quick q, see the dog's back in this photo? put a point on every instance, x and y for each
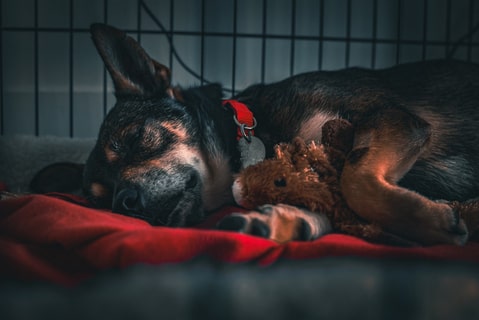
(445, 94)
(414, 140)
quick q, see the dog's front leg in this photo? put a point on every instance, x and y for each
(385, 148)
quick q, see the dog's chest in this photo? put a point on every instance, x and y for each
(311, 128)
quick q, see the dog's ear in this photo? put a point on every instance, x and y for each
(213, 91)
(132, 70)
(62, 177)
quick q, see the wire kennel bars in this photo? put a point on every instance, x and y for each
(52, 81)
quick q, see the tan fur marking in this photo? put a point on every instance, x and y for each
(98, 190)
(178, 95)
(371, 183)
(181, 154)
(175, 93)
(283, 226)
(311, 129)
(177, 129)
(152, 136)
(111, 155)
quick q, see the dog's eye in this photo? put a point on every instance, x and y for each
(281, 182)
(114, 146)
(112, 151)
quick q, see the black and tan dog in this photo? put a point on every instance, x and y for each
(168, 155)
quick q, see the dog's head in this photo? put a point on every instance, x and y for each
(149, 160)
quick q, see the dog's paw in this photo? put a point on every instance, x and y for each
(456, 227)
(447, 227)
(281, 223)
(240, 223)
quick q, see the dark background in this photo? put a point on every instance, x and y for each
(53, 82)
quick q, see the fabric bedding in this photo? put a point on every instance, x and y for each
(61, 239)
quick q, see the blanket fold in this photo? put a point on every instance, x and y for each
(61, 239)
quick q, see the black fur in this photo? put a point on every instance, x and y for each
(438, 91)
(431, 108)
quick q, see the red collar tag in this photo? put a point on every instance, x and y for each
(243, 117)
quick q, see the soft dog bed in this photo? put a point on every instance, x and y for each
(60, 239)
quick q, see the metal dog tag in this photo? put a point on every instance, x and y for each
(251, 152)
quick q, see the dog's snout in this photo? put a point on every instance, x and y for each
(128, 201)
(161, 198)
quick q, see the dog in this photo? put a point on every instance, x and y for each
(168, 155)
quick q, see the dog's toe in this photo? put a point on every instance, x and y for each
(243, 224)
(232, 223)
(457, 229)
(459, 233)
(305, 233)
(446, 227)
(259, 228)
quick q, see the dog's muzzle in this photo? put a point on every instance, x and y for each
(162, 199)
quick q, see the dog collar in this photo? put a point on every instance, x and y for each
(243, 118)
(251, 148)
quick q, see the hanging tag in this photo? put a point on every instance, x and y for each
(251, 152)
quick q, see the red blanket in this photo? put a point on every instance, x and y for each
(60, 239)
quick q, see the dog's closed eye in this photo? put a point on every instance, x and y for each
(114, 146)
(111, 151)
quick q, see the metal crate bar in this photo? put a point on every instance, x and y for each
(372, 44)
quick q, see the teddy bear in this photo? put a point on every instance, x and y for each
(307, 175)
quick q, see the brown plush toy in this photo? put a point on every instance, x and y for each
(307, 175)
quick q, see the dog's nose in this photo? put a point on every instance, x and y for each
(131, 201)
(128, 201)
(162, 199)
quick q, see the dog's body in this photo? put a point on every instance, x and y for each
(168, 155)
